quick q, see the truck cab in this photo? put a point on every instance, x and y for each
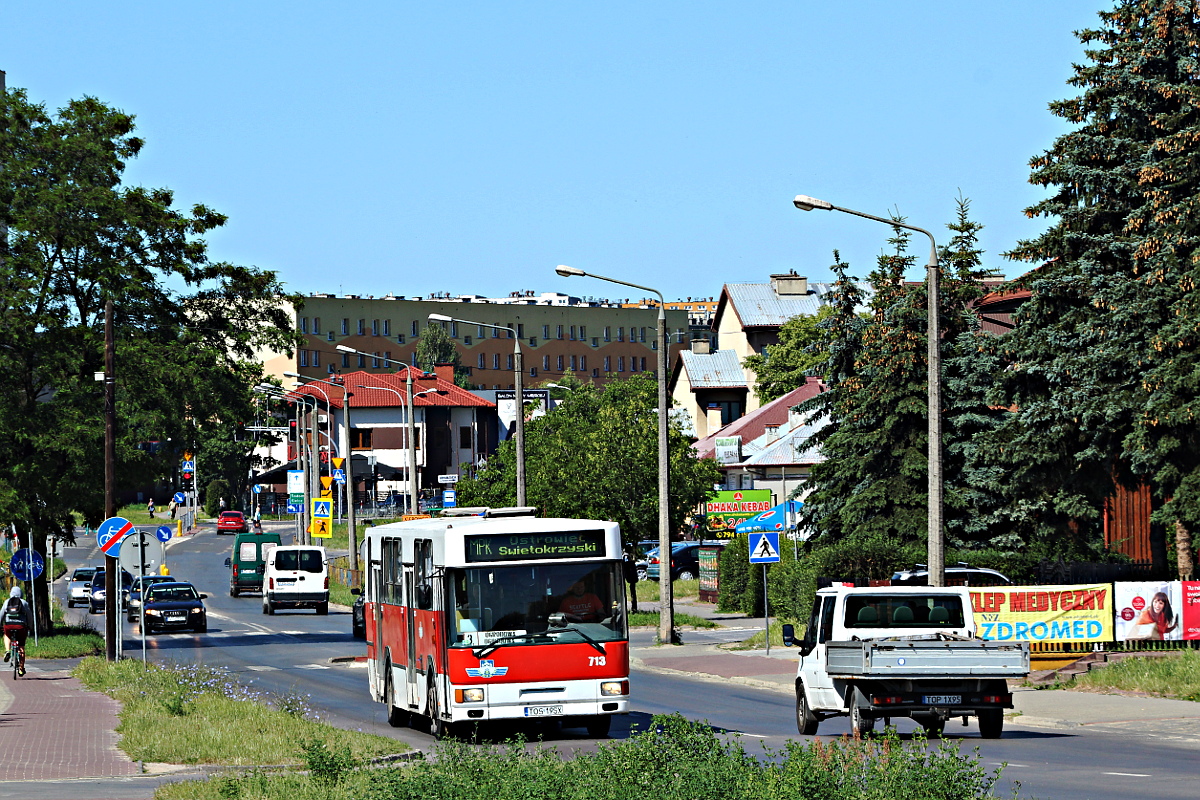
(883, 652)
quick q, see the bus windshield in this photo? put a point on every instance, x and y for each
(546, 603)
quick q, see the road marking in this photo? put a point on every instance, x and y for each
(1128, 774)
(262, 669)
(312, 666)
(1005, 764)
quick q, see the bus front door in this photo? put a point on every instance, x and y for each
(410, 615)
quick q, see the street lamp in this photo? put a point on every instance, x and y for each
(666, 622)
(518, 369)
(413, 484)
(936, 536)
(303, 457)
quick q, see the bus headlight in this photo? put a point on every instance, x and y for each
(468, 695)
(614, 688)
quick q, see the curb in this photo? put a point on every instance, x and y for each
(704, 676)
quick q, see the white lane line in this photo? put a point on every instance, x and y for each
(1004, 764)
(1128, 774)
(262, 669)
(312, 666)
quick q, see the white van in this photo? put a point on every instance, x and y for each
(296, 576)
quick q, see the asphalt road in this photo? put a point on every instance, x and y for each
(290, 654)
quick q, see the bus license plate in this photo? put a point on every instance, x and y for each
(943, 699)
(543, 711)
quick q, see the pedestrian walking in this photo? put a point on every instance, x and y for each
(150, 507)
(629, 567)
(222, 504)
(171, 508)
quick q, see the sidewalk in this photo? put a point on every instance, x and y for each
(702, 657)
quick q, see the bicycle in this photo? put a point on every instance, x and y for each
(14, 656)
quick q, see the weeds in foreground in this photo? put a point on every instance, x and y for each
(1175, 676)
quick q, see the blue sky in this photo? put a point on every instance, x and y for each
(469, 147)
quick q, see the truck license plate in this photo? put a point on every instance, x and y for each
(543, 711)
(942, 699)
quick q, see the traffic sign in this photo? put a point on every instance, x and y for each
(257, 489)
(164, 533)
(322, 508)
(27, 564)
(180, 497)
(295, 508)
(449, 498)
(764, 547)
(110, 533)
(188, 466)
(339, 475)
(337, 462)
(320, 528)
(141, 553)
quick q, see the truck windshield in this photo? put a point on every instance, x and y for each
(549, 603)
(904, 611)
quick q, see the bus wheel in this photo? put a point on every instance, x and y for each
(438, 728)
(598, 726)
(397, 717)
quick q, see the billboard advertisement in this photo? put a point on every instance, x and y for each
(1044, 613)
(724, 510)
(1149, 611)
(1190, 612)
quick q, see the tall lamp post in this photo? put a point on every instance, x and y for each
(413, 484)
(343, 449)
(303, 454)
(666, 621)
(518, 371)
(936, 535)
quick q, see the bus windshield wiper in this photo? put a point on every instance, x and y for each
(503, 641)
(587, 638)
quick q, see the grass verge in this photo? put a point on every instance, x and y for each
(680, 590)
(1175, 676)
(67, 641)
(675, 759)
(759, 640)
(200, 715)
(646, 619)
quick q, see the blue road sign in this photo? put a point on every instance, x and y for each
(180, 497)
(764, 547)
(339, 476)
(111, 532)
(189, 466)
(27, 564)
(295, 508)
(164, 533)
(256, 489)
(449, 498)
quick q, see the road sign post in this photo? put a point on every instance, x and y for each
(322, 517)
(764, 549)
(26, 565)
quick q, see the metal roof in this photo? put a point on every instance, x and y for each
(790, 449)
(719, 370)
(757, 304)
(754, 424)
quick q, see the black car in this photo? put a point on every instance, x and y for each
(961, 575)
(685, 561)
(96, 592)
(358, 615)
(133, 601)
(174, 606)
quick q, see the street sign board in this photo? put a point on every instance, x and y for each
(447, 479)
(180, 497)
(141, 553)
(322, 508)
(764, 547)
(449, 498)
(110, 533)
(295, 508)
(339, 475)
(188, 466)
(295, 487)
(257, 489)
(164, 533)
(27, 564)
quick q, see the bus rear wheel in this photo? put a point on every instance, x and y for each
(397, 717)
(438, 728)
(599, 725)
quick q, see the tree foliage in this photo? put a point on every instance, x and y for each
(436, 347)
(784, 366)
(1104, 362)
(74, 238)
(595, 456)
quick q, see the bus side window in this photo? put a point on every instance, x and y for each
(423, 558)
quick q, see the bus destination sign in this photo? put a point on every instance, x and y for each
(529, 546)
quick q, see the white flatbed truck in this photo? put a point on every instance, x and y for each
(891, 651)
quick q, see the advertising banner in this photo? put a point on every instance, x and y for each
(1045, 613)
(1149, 610)
(1191, 610)
(506, 408)
(728, 449)
(724, 510)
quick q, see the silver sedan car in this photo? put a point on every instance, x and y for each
(79, 588)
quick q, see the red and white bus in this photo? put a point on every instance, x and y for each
(497, 615)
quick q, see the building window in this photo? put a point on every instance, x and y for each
(387, 357)
(495, 332)
(416, 328)
(608, 363)
(607, 334)
(632, 361)
(621, 333)
(495, 361)
(545, 331)
(583, 363)
(560, 331)
(317, 326)
(360, 438)
(572, 333)
(346, 360)
(331, 368)
(520, 330)
(375, 360)
(303, 354)
(533, 372)
(642, 338)
(362, 327)
(304, 324)
(387, 327)
(560, 363)
(467, 340)
(643, 364)
(345, 327)
(509, 361)
(464, 437)
(453, 330)
(316, 358)
(546, 363)
(621, 364)
(399, 338)
(374, 327)
(595, 372)
(482, 332)
(582, 333)
(483, 361)
(362, 362)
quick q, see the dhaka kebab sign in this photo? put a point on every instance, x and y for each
(725, 510)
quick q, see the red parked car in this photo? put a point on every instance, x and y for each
(232, 522)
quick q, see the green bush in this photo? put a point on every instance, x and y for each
(216, 489)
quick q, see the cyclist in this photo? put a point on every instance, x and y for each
(16, 615)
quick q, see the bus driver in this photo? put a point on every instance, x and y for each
(580, 605)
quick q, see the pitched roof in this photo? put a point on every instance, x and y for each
(792, 448)
(393, 393)
(719, 370)
(754, 424)
(757, 304)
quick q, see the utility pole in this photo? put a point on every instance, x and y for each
(111, 582)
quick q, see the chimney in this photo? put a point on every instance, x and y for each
(445, 372)
(789, 284)
(701, 347)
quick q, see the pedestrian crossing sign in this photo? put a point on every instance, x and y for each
(322, 508)
(764, 547)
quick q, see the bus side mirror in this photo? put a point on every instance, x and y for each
(789, 636)
(557, 620)
(356, 590)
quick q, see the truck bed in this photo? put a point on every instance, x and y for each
(927, 658)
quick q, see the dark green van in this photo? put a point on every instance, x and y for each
(248, 561)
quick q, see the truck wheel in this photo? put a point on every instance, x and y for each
(860, 724)
(598, 726)
(322, 609)
(991, 723)
(933, 727)
(806, 720)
